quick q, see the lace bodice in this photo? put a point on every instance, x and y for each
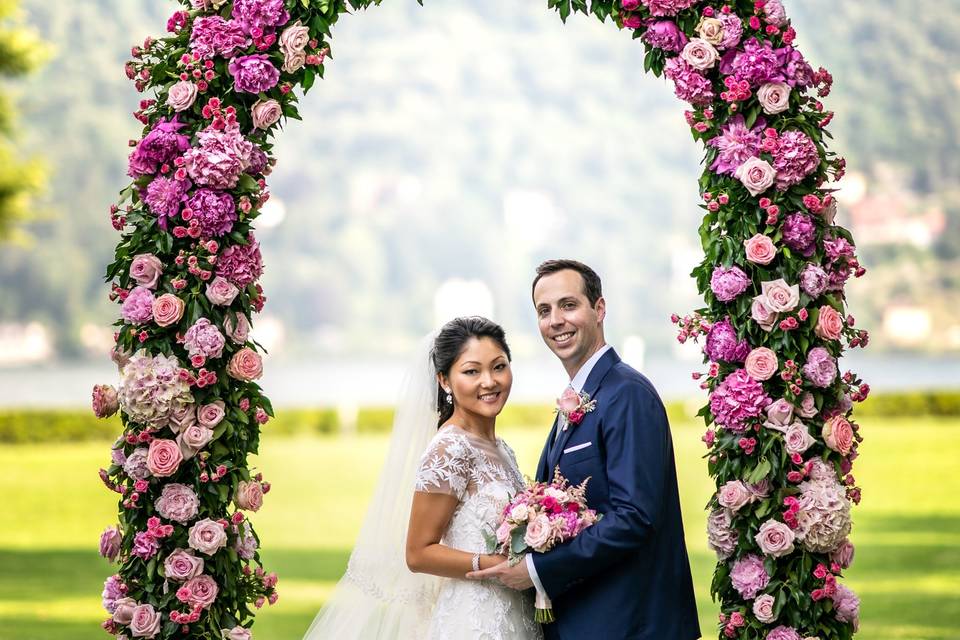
(483, 476)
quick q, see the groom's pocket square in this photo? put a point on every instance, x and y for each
(577, 447)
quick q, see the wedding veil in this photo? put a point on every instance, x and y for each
(379, 598)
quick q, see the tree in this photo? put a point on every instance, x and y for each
(21, 51)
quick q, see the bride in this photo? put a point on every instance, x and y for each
(439, 499)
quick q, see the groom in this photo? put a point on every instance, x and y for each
(628, 575)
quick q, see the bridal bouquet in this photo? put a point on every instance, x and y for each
(540, 517)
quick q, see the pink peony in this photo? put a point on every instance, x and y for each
(749, 577)
(775, 538)
(212, 35)
(145, 545)
(783, 633)
(761, 363)
(260, 14)
(721, 536)
(253, 74)
(135, 465)
(241, 264)
(829, 323)
(821, 367)
(104, 400)
(667, 7)
(722, 344)
(146, 269)
(220, 158)
(249, 495)
(204, 339)
(163, 457)
(182, 565)
(214, 211)
(813, 280)
(847, 606)
(167, 310)
(796, 157)
(664, 34)
(728, 284)
(138, 307)
(177, 502)
(164, 196)
(245, 365)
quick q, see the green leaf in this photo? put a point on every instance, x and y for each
(517, 544)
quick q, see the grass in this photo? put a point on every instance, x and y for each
(907, 530)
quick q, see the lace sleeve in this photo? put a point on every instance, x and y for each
(445, 466)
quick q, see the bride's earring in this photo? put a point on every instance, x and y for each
(449, 396)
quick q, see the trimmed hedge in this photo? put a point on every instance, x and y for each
(18, 426)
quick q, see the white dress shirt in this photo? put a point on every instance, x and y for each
(576, 383)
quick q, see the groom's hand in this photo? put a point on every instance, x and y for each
(515, 577)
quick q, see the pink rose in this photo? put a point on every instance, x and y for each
(167, 310)
(843, 555)
(711, 30)
(503, 532)
(110, 541)
(177, 502)
(779, 414)
(808, 406)
(221, 291)
(104, 401)
(249, 495)
(763, 314)
(569, 402)
(774, 97)
(145, 622)
(181, 95)
(146, 269)
(182, 565)
(781, 297)
(265, 113)
(294, 39)
(203, 591)
(123, 614)
(756, 175)
(760, 249)
(207, 536)
(733, 495)
(538, 533)
(797, 438)
(700, 54)
(763, 608)
(775, 538)
(237, 332)
(210, 415)
(829, 323)
(182, 416)
(294, 61)
(245, 365)
(163, 457)
(237, 633)
(761, 363)
(838, 434)
(192, 439)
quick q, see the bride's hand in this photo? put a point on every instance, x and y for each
(490, 560)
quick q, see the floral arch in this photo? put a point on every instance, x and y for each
(780, 436)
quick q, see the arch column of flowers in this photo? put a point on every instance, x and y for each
(780, 433)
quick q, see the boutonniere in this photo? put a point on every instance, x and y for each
(573, 406)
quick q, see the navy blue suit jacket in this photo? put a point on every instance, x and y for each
(628, 575)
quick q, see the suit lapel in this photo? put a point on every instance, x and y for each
(543, 466)
(599, 372)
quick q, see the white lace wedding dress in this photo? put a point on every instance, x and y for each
(483, 476)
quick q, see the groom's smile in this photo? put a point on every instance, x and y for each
(570, 325)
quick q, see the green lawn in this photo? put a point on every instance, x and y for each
(907, 530)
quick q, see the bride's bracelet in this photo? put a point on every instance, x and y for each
(476, 562)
